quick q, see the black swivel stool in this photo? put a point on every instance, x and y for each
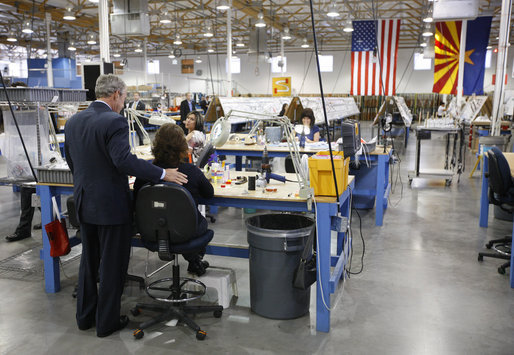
(501, 193)
(166, 218)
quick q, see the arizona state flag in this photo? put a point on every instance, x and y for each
(447, 47)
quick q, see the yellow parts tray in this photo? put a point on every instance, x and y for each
(320, 173)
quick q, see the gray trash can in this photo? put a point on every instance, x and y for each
(276, 244)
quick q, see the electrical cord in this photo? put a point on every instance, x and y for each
(350, 272)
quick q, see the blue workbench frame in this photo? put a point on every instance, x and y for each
(484, 210)
(380, 192)
(328, 279)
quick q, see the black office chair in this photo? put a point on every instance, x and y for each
(166, 218)
(501, 193)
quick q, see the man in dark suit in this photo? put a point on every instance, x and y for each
(138, 105)
(98, 154)
(186, 106)
(204, 104)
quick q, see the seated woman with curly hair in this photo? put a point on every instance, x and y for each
(170, 149)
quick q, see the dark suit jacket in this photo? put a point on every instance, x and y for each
(204, 105)
(184, 109)
(140, 105)
(98, 154)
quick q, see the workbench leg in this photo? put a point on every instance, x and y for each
(484, 198)
(407, 129)
(379, 204)
(323, 277)
(239, 163)
(512, 264)
(51, 265)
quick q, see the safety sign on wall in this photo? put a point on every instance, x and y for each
(281, 86)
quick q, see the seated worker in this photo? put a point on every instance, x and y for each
(308, 121)
(170, 149)
(195, 136)
(441, 110)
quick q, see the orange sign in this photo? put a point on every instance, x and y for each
(188, 66)
(281, 86)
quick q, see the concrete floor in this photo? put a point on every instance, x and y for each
(422, 290)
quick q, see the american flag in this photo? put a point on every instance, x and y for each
(374, 53)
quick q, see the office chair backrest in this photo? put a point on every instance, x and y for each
(205, 154)
(166, 212)
(500, 179)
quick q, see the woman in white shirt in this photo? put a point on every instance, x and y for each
(195, 137)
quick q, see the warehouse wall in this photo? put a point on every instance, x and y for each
(304, 76)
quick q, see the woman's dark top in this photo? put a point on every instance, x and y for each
(197, 185)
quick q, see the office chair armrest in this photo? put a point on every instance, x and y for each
(164, 250)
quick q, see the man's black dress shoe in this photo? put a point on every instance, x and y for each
(37, 226)
(15, 237)
(124, 320)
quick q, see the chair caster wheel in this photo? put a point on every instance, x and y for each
(200, 335)
(501, 271)
(138, 333)
(213, 220)
(480, 258)
(489, 245)
(217, 314)
(135, 311)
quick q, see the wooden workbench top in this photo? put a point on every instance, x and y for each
(510, 160)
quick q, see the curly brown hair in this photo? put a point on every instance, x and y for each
(169, 146)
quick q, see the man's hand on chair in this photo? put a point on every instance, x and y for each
(173, 175)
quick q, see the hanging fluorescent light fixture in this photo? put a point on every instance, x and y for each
(429, 16)
(88, 60)
(348, 26)
(198, 60)
(332, 11)
(94, 1)
(208, 31)
(305, 44)
(223, 5)
(171, 56)
(427, 32)
(71, 46)
(11, 37)
(260, 22)
(286, 34)
(165, 18)
(68, 15)
(91, 39)
(423, 45)
(177, 40)
(210, 49)
(138, 49)
(27, 27)
(116, 55)
(488, 47)
(240, 43)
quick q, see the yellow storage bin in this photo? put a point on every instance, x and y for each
(320, 173)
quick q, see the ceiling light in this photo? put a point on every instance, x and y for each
(427, 32)
(286, 34)
(429, 17)
(27, 27)
(177, 40)
(488, 47)
(88, 60)
(260, 22)
(94, 1)
(208, 31)
(348, 26)
(71, 46)
(240, 43)
(210, 49)
(138, 49)
(165, 18)
(423, 45)
(198, 60)
(223, 5)
(332, 11)
(171, 56)
(91, 39)
(116, 55)
(68, 15)
(11, 37)
(305, 44)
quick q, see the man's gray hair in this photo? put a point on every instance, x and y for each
(108, 84)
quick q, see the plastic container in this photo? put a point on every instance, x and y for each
(320, 173)
(276, 244)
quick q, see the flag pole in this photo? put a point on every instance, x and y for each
(462, 59)
(501, 66)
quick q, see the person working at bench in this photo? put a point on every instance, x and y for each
(195, 136)
(170, 149)
(98, 154)
(308, 121)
